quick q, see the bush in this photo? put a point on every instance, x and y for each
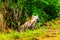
(16, 10)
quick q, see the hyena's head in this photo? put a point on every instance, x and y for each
(35, 18)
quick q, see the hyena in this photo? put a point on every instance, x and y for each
(31, 23)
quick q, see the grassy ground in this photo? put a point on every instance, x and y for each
(43, 33)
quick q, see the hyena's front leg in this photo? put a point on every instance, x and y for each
(33, 26)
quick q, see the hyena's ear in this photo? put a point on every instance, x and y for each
(32, 16)
(36, 15)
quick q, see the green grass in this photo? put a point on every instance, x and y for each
(29, 34)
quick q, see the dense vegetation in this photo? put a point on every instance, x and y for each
(16, 12)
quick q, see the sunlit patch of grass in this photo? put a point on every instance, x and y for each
(55, 26)
(4, 36)
(9, 35)
(58, 32)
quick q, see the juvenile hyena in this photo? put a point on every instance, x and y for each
(31, 23)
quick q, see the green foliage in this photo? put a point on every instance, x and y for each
(27, 35)
(45, 9)
(15, 35)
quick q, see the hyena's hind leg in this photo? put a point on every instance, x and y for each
(22, 28)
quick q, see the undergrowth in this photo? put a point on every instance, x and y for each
(28, 34)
